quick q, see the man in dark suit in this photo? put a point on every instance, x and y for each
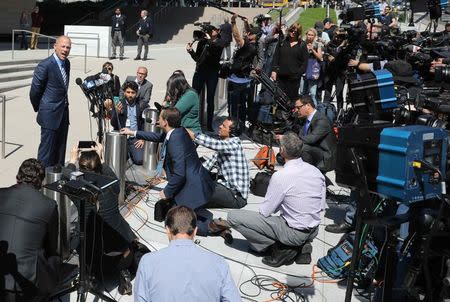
(319, 141)
(29, 234)
(118, 23)
(128, 113)
(48, 95)
(188, 182)
(145, 33)
(145, 87)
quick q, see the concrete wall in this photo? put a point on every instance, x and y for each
(10, 14)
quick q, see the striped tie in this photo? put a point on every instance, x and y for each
(63, 73)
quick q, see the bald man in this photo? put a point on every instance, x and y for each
(48, 95)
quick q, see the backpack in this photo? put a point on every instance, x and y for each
(259, 184)
(328, 110)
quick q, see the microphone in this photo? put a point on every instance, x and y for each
(78, 81)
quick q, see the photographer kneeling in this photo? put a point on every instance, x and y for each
(104, 221)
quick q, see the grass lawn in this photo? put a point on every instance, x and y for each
(276, 15)
(311, 15)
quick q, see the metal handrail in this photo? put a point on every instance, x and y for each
(48, 44)
(86, 38)
(107, 10)
(163, 10)
(3, 97)
(83, 18)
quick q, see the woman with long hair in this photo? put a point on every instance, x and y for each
(180, 95)
(290, 61)
(311, 78)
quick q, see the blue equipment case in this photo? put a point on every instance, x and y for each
(399, 147)
(373, 89)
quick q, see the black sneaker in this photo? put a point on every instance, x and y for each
(125, 287)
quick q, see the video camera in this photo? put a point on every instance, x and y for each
(366, 11)
(205, 28)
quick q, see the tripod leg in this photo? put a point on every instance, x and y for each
(101, 295)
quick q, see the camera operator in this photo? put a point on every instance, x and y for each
(207, 57)
(115, 233)
(239, 82)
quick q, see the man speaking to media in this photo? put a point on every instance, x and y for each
(48, 95)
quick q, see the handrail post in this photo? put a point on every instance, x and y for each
(3, 124)
(85, 56)
(12, 45)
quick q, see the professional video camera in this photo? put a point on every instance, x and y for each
(205, 28)
(368, 10)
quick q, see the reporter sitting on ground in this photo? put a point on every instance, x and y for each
(105, 217)
(128, 113)
(180, 95)
(200, 275)
(298, 192)
(319, 141)
(232, 183)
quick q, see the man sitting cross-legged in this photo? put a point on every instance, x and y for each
(298, 192)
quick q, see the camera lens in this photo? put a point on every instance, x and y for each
(442, 74)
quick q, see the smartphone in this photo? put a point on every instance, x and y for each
(116, 100)
(86, 144)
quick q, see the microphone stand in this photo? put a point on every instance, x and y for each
(82, 285)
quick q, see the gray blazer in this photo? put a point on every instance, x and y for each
(144, 93)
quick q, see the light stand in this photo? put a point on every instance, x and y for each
(82, 285)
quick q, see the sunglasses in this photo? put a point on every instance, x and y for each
(109, 68)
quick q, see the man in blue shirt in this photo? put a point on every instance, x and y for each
(183, 271)
(128, 113)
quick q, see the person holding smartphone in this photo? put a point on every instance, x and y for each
(127, 112)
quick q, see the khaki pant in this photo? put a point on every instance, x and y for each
(34, 38)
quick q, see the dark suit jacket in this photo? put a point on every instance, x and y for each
(118, 120)
(144, 94)
(48, 93)
(29, 224)
(189, 183)
(320, 141)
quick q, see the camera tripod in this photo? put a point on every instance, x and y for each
(82, 284)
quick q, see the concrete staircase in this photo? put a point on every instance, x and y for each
(178, 24)
(16, 74)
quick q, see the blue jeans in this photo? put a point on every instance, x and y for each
(238, 98)
(309, 87)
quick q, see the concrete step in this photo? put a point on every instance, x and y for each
(20, 75)
(12, 85)
(17, 68)
(178, 24)
(31, 61)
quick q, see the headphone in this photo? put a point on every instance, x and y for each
(235, 127)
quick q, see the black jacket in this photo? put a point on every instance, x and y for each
(290, 62)
(118, 24)
(243, 59)
(319, 143)
(29, 230)
(207, 55)
(145, 27)
(118, 120)
(226, 33)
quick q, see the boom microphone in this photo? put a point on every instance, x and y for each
(78, 81)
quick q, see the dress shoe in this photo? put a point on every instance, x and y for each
(125, 287)
(144, 59)
(338, 228)
(121, 58)
(217, 226)
(137, 58)
(281, 255)
(227, 237)
(112, 57)
(304, 256)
